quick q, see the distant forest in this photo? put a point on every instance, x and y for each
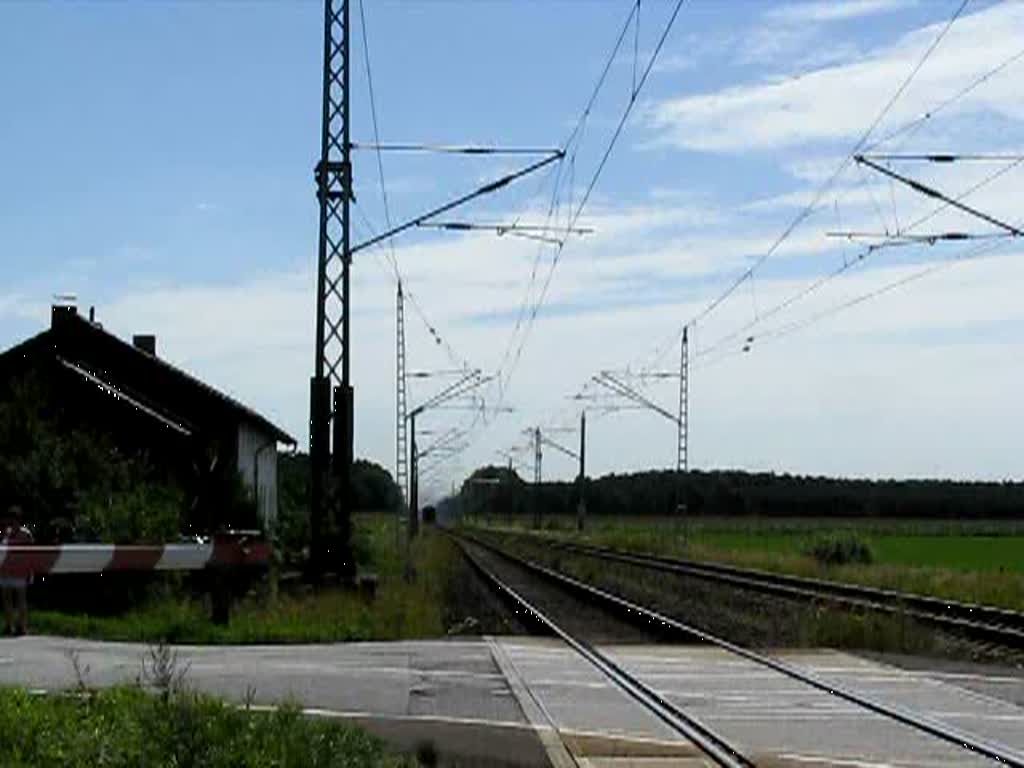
(373, 488)
(733, 492)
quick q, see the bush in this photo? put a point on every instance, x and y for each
(77, 484)
(137, 513)
(840, 549)
(128, 727)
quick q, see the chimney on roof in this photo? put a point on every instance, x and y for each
(146, 342)
(62, 313)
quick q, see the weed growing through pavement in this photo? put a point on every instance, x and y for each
(81, 671)
(250, 698)
(164, 671)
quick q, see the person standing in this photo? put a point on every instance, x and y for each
(15, 586)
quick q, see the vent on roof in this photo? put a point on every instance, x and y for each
(146, 342)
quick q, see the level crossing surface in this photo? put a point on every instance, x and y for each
(531, 701)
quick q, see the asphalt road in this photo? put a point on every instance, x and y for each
(531, 701)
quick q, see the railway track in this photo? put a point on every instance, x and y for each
(981, 622)
(712, 744)
(717, 748)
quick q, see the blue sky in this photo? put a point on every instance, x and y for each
(158, 163)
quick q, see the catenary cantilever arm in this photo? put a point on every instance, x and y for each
(486, 189)
(924, 189)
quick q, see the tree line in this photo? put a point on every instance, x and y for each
(736, 493)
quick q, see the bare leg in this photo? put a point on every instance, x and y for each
(8, 609)
(21, 598)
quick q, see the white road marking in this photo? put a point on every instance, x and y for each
(533, 709)
(831, 761)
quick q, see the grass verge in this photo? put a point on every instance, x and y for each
(972, 565)
(129, 727)
(751, 619)
(401, 609)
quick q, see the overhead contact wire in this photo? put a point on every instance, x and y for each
(830, 181)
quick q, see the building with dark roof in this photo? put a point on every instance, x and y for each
(182, 424)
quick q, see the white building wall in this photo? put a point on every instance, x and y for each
(257, 464)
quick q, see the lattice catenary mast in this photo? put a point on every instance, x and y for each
(331, 387)
(401, 400)
(683, 425)
(682, 455)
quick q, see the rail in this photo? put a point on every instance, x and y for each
(711, 743)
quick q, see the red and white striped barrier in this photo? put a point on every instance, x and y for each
(223, 551)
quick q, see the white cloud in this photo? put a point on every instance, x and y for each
(617, 292)
(817, 11)
(879, 377)
(840, 101)
(876, 375)
(826, 55)
(769, 43)
(813, 168)
(250, 339)
(676, 62)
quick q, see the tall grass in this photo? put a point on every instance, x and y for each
(972, 561)
(401, 608)
(126, 727)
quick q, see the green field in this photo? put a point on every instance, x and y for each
(975, 561)
(958, 552)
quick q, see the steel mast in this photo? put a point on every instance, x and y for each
(683, 445)
(401, 400)
(331, 387)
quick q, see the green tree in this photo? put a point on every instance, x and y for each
(73, 482)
